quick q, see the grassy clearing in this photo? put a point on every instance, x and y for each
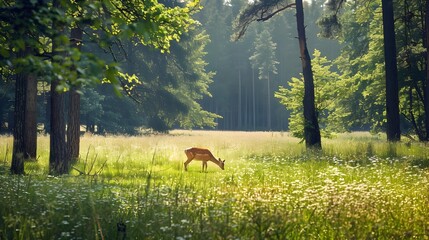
(359, 188)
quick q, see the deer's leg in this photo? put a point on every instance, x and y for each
(190, 158)
(186, 163)
(204, 166)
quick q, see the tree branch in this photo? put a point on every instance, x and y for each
(275, 12)
(258, 11)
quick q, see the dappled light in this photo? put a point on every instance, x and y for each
(214, 119)
(277, 189)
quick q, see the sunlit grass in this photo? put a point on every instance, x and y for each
(359, 187)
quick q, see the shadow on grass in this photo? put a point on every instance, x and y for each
(4, 169)
(420, 163)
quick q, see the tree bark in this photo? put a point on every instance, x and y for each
(253, 99)
(18, 153)
(47, 100)
(426, 85)
(311, 125)
(58, 161)
(393, 130)
(239, 126)
(73, 127)
(268, 103)
(30, 127)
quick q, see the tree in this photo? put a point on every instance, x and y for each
(263, 11)
(59, 162)
(151, 23)
(327, 93)
(73, 124)
(426, 85)
(393, 130)
(18, 154)
(6, 96)
(311, 124)
(30, 128)
(264, 60)
(332, 26)
(16, 21)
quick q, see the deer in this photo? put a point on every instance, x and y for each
(204, 155)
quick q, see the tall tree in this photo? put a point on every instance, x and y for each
(16, 19)
(263, 11)
(18, 154)
(392, 89)
(331, 26)
(110, 21)
(30, 128)
(426, 85)
(311, 124)
(58, 158)
(264, 59)
(73, 123)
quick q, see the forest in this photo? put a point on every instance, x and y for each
(320, 108)
(234, 85)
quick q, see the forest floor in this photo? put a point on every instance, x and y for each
(358, 187)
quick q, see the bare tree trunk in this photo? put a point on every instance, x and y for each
(58, 161)
(73, 127)
(311, 125)
(18, 153)
(393, 130)
(268, 103)
(426, 85)
(239, 101)
(47, 100)
(253, 94)
(30, 128)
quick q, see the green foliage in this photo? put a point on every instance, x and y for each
(361, 64)
(194, 80)
(33, 25)
(91, 111)
(167, 92)
(264, 57)
(6, 97)
(328, 88)
(172, 85)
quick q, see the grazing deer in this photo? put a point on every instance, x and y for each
(204, 155)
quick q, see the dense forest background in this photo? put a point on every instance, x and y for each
(236, 97)
(206, 80)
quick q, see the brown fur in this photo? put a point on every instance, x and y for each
(204, 155)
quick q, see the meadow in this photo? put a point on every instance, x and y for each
(358, 187)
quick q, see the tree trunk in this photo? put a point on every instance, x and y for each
(268, 103)
(30, 127)
(10, 121)
(18, 153)
(47, 101)
(426, 85)
(239, 101)
(311, 125)
(253, 98)
(73, 127)
(393, 130)
(58, 162)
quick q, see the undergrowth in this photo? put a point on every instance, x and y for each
(137, 189)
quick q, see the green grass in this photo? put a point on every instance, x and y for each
(359, 187)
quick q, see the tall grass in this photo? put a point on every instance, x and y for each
(359, 187)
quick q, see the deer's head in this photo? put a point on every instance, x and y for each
(222, 164)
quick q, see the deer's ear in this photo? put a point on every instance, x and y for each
(223, 160)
